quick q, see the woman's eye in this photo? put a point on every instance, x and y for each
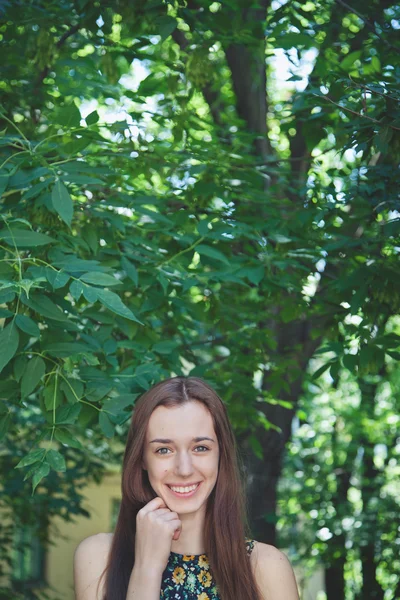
(204, 448)
(161, 450)
(158, 451)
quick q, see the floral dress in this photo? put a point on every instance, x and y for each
(188, 577)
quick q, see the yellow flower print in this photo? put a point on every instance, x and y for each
(203, 596)
(203, 562)
(204, 578)
(187, 557)
(178, 575)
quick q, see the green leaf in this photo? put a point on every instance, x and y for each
(3, 182)
(32, 470)
(165, 347)
(76, 289)
(79, 179)
(163, 282)
(350, 59)
(322, 370)
(57, 279)
(33, 374)
(5, 421)
(65, 437)
(90, 293)
(295, 40)
(376, 64)
(24, 237)
(36, 189)
(32, 457)
(253, 274)
(19, 366)
(64, 349)
(202, 226)
(44, 306)
(205, 250)
(68, 414)
(99, 279)
(256, 447)
(6, 296)
(9, 339)
(105, 425)
(166, 25)
(62, 202)
(279, 238)
(27, 325)
(130, 270)
(68, 116)
(114, 303)
(334, 370)
(92, 118)
(56, 460)
(43, 471)
(52, 394)
(73, 390)
(350, 361)
(119, 403)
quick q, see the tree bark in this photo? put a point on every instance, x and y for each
(370, 486)
(337, 552)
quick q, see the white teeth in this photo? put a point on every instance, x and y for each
(184, 490)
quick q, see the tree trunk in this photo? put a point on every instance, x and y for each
(334, 570)
(334, 579)
(370, 486)
(263, 474)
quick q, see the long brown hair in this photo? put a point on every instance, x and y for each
(225, 522)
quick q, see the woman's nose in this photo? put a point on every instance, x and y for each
(184, 466)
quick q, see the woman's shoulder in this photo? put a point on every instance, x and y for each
(273, 572)
(90, 560)
(98, 541)
(262, 550)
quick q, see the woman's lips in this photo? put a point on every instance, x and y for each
(183, 494)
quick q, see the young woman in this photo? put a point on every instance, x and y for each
(181, 530)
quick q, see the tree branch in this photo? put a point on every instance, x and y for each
(353, 112)
(211, 96)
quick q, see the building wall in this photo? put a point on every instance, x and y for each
(59, 563)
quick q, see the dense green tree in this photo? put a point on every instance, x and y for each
(215, 223)
(340, 485)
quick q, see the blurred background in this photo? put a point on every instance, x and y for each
(209, 189)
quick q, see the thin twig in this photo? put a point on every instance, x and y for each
(353, 112)
(368, 23)
(365, 87)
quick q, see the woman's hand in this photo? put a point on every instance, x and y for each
(156, 527)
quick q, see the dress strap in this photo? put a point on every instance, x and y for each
(249, 546)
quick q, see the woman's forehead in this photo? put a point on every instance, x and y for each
(184, 421)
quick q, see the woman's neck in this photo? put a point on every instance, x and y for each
(191, 539)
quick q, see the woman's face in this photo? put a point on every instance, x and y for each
(181, 455)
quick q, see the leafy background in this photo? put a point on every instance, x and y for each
(171, 205)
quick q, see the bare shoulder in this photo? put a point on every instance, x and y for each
(90, 559)
(274, 573)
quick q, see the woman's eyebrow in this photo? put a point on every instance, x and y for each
(168, 441)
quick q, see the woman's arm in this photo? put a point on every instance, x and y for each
(273, 573)
(144, 585)
(90, 560)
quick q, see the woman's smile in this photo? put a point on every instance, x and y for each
(186, 491)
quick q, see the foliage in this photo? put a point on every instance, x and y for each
(190, 222)
(335, 504)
